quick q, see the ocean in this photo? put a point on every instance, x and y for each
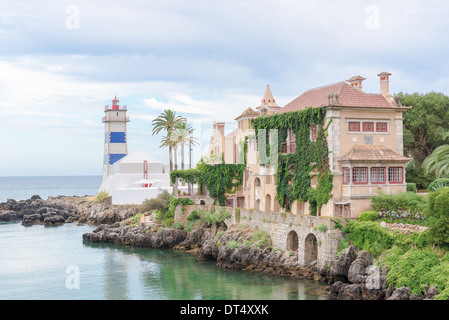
(22, 188)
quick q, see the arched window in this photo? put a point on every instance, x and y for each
(292, 241)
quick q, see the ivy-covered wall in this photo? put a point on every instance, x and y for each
(293, 169)
(218, 178)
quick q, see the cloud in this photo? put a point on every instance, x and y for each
(207, 60)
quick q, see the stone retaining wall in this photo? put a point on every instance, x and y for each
(304, 233)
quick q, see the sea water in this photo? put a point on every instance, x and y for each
(22, 188)
(54, 263)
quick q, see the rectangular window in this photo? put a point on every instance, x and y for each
(360, 175)
(346, 175)
(354, 126)
(314, 132)
(377, 175)
(395, 175)
(368, 126)
(381, 127)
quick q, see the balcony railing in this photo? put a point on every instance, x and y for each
(105, 119)
(108, 107)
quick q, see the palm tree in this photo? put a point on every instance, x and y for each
(167, 121)
(438, 161)
(182, 135)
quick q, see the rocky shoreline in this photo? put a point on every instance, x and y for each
(208, 242)
(63, 209)
(349, 276)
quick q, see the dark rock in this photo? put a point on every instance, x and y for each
(341, 263)
(402, 293)
(36, 197)
(10, 216)
(31, 219)
(432, 292)
(336, 287)
(357, 270)
(350, 292)
(54, 219)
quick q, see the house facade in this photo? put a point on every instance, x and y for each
(364, 135)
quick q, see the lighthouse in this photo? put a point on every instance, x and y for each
(115, 141)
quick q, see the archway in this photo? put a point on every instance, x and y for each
(257, 182)
(257, 204)
(310, 249)
(292, 241)
(267, 203)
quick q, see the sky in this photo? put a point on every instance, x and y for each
(62, 61)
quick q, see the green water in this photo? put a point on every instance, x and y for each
(43, 263)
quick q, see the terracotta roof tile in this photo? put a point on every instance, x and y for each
(249, 113)
(347, 96)
(373, 153)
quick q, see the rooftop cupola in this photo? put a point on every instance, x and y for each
(356, 82)
(268, 103)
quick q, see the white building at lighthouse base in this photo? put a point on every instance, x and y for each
(137, 177)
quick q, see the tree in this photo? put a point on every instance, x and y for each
(167, 121)
(438, 216)
(438, 162)
(182, 135)
(425, 123)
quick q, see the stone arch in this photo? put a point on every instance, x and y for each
(310, 249)
(267, 203)
(292, 241)
(256, 182)
(257, 204)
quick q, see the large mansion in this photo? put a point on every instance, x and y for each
(364, 139)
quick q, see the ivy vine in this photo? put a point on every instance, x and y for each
(294, 169)
(219, 179)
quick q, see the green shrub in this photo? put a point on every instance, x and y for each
(188, 226)
(168, 222)
(260, 238)
(438, 184)
(215, 216)
(411, 187)
(233, 244)
(177, 225)
(135, 219)
(367, 235)
(406, 207)
(438, 216)
(101, 195)
(194, 215)
(368, 216)
(321, 227)
(411, 268)
(161, 202)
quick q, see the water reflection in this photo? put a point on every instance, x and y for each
(170, 275)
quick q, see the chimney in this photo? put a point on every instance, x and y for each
(220, 126)
(356, 82)
(385, 84)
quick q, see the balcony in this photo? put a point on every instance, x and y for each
(115, 119)
(108, 107)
